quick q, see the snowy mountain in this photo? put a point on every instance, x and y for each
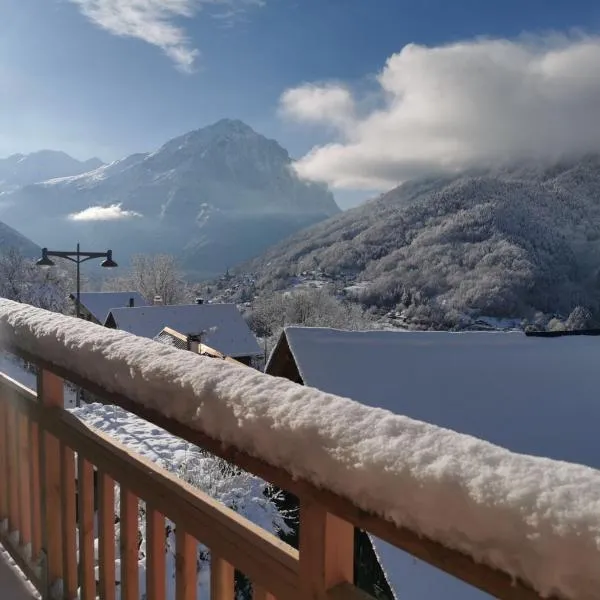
(500, 243)
(10, 239)
(214, 197)
(24, 169)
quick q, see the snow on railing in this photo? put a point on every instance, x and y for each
(513, 525)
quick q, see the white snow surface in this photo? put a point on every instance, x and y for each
(101, 303)
(533, 517)
(531, 395)
(221, 325)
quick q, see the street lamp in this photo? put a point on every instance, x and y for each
(77, 257)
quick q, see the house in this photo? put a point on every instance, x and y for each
(95, 306)
(170, 337)
(533, 395)
(219, 326)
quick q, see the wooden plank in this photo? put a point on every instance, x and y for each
(50, 393)
(68, 518)
(106, 536)
(12, 480)
(34, 476)
(326, 550)
(129, 545)
(3, 461)
(85, 498)
(346, 591)
(156, 576)
(260, 593)
(24, 479)
(185, 564)
(260, 555)
(492, 581)
(222, 582)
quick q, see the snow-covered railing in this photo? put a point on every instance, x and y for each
(518, 527)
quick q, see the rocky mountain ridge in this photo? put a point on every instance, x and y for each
(213, 197)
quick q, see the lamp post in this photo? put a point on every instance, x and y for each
(77, 257)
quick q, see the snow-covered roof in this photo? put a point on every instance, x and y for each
(221, 325)
(101, 303)
(531, 395)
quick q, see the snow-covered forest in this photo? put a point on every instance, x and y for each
(505, 244)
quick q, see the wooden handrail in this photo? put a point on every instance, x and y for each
(322, 569)
(246, 541)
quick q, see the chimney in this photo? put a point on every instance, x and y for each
(193, 343)
(131, 302)
(157, 300)
(199, 301)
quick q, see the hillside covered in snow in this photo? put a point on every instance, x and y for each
(213, 197)
(24, 169)
(501, 243)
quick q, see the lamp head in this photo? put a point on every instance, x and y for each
(44, 261)
(108, 262)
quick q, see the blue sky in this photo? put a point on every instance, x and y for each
(66, 83)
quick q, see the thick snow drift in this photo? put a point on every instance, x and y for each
(534, 518)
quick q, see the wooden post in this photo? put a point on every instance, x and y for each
(185, 565)
(67, 457)
(34, 477)
(12, 480)
(155, 554)
(326, 550)
(129, 545)
(106, 536)
(259, 593)
(24, 483)
(85, 480)
(50, 390)
(3, 462)
(221, 578)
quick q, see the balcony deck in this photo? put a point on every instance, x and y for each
(13, 583)
(58, 474)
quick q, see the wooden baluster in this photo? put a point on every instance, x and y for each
(326, 550)
(67, 472)
(13, 470)
(24, 483)
(259, 593)
(106, 536)
(3, 462)
(155, 555)
(86, 528)
(34, 478)
(51, 395)
(129, 545)
(185, 565)
(222, 582)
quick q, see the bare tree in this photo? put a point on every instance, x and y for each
(23, 281)
(312, 308)
(156, 275)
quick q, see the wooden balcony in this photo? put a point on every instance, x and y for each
(56, 472)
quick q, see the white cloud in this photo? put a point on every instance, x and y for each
(474, 103)
(114, 212)
(154, 21)
(330, 103)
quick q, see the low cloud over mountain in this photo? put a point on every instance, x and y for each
(449, 108)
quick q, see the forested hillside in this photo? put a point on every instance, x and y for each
(503, 244)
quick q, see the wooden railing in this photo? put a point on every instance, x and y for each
(49, 461)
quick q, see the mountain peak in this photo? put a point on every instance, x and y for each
(25, 169)
(231, 126)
